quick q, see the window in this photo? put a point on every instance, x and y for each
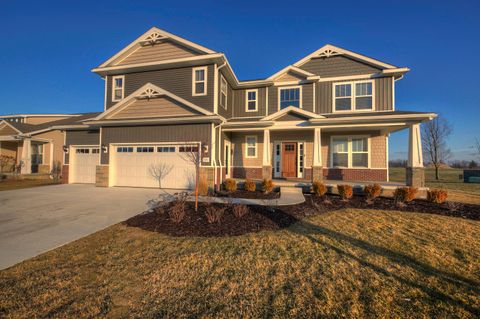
(199, 81)
(300, 158)
(223, 92)
(124, 149)
(349, 151)
(95, 151)
(145, 149)
(290, 97)
(82, 151)
(251, 146)
(166, 149)
(251, 100)
(118, 85)
(353, 96)
(185, 149)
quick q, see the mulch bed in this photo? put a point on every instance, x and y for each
(249, 195)
(272, 218)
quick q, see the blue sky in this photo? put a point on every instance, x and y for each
(49, 47)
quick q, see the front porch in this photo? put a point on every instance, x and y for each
(29, 155)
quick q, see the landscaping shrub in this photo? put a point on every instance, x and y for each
(230, 185)
(240, 210)
(213, 213)
(437, 196)
(345, 191)
(372, 191)
(250, 185)
(404, 194)
(319, 188)
(202, 187)
(267, 185)
(176, 213)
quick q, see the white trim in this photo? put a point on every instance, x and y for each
(293, 69)
(393, 94)
(228, 168)
(247, 100)
(150, 88)
(246, 146)
(205, 81)
(300, 174)
(314, 84)
(349, 150)
(287, 88)
(353, 96)
(223, 83)
(129, 49)
(329, 49)
(266, 101)
(215, 88)
(105, 79)
(114, 88)
(277, 159)
(293, 109)
(387, 156)
(3, 122)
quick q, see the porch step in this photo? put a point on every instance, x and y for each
(291, 195)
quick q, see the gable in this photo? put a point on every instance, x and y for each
(165, 50)
(291, 116)
(7, 130)
(290, 76)
(338, 65)
(157, 107)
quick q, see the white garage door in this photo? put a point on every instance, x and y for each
(83, 163)
(135, 165)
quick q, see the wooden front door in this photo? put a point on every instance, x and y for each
(289, 159)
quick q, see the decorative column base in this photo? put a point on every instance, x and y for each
(317, 173)
(44, 169)
(415, 177)
(208, 175)
(101, 176)
(266, 172)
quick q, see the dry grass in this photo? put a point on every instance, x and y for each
(350, 263)
(11, 184)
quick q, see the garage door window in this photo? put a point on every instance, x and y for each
(147, 149)
(82, 151)
(185, 149)
(166, 149)
(125, 149)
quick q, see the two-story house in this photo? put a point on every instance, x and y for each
(326, 116)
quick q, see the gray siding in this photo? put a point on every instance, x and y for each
(154, 134)
(81, 138)
(177, 81)
(383, 95)
(240, 100)
(338, 66)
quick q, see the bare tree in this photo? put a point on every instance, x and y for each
(56, 171)
(434, 139)
(159, 171)
(193, 154)
(6, 161)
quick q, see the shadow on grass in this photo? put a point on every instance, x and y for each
(309, 230)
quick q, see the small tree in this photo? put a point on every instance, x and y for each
(434, 139)
(6, 161)
(56, 171)
(472, 164)
(158, 171)
(477, 147)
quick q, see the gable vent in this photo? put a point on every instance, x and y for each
(149, 94)
(152, 39)
(327, 53)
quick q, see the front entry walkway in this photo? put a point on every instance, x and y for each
(36, 220)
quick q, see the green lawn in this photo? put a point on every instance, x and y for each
(448, 179)
(11, 184)
(348, 263)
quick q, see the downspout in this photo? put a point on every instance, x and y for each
(219, 132)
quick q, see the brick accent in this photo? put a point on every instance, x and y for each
(65, 174)
(415, 176)
(363, 175)
(317, 173)
(44, 169)
(267, 172)
(247, 172)
(101, 176)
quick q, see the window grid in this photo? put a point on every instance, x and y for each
(223, 92)
(350, 152)
(290, 97)
(199, 86)
(352, 96)
(251, 146)
(118, 83)
(252, 101)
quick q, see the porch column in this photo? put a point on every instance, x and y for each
(26, 156)
(415, 171)
(317, 167)
(267, 159)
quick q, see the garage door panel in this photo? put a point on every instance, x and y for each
(83, 164)
(133, 168)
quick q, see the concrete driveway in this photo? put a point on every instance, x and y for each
(36, 220)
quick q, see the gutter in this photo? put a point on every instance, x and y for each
(202, 119)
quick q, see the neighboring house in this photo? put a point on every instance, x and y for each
(326, 116)
(36, 141)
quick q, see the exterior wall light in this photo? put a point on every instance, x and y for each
(104, 148)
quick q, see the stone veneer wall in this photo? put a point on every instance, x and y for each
(65, 174)
(101, 176)
(44, 169)
(208, 173)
